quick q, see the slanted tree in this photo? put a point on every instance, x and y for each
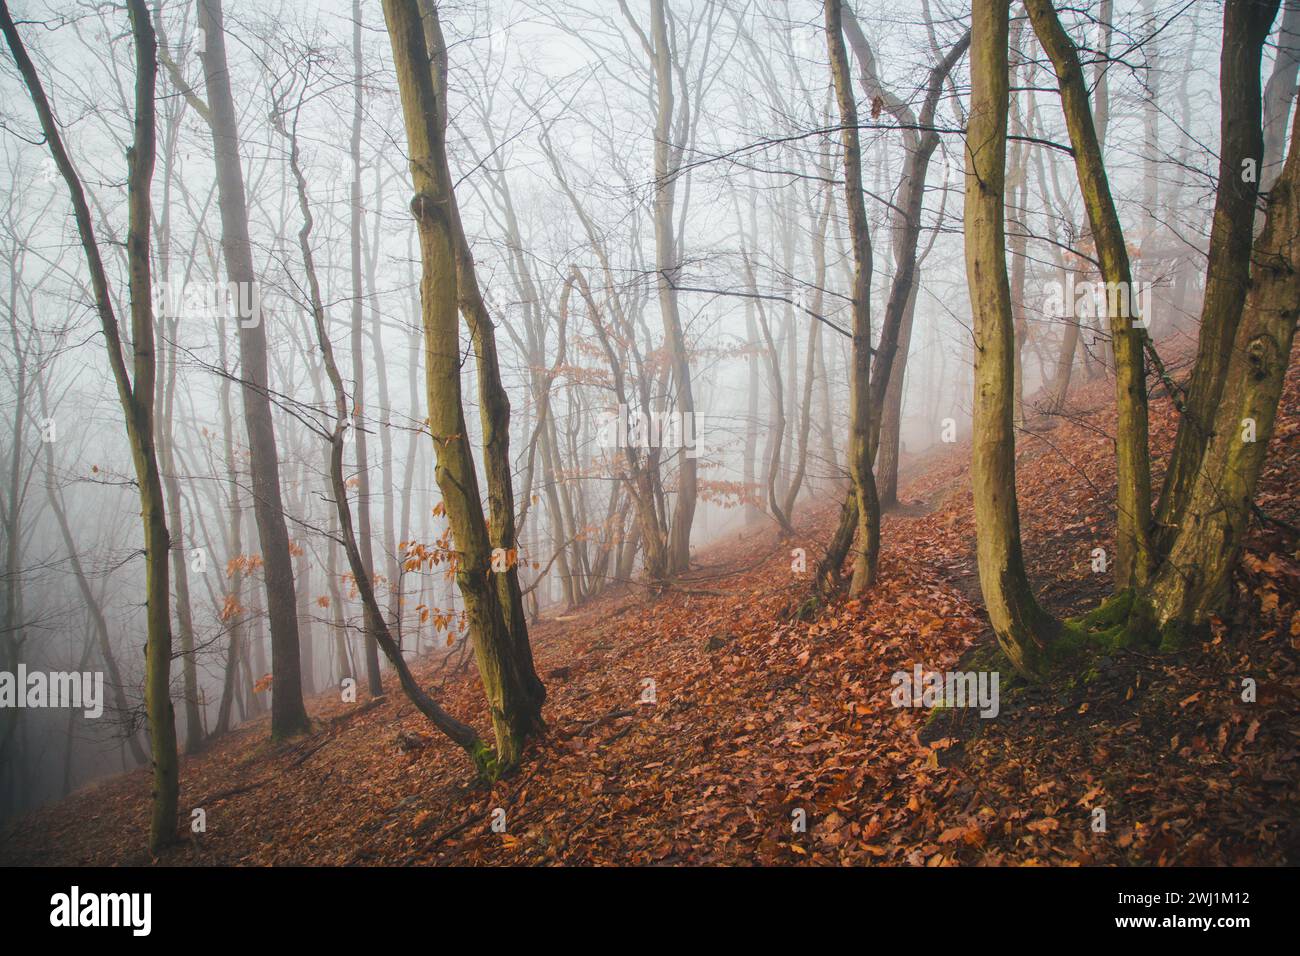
(884, 390)
(513, 704)
(1193, 582)
(920, 139)
(136, 387)
(1187, 580)
(1134, 555)
(98, 622)
(376, 625)
(494, 403)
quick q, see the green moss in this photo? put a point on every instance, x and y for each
(1177, 635)
(1117, 623)
(485, 762)
(1174, 635)
(990, 657)
(1111, 612)
(984, 657)
(1126, 620)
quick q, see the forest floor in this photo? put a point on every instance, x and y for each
(758, 714)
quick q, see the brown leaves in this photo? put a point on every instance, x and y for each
(969, 834)
(788, 717)
(230, 608)
(243, 564)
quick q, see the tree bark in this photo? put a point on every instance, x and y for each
(365, 537)
(511, 701)
(494, 403)
(1134, 556)
(1278, 94)
(1193, 582)
(1022, 627)
(1246, 26)
(666, 162)
(288, 714)
(862, 422)
(136, 389)
(376, 627)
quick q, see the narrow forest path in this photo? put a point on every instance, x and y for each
(698, 726)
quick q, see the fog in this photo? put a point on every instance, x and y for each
(585, 224)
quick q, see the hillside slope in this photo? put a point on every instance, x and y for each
(758, 715)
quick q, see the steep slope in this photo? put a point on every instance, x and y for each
(759, 719)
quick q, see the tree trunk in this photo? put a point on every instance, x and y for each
(136, 390)
(890, 450)
(235, 541)
(511, 701)
(1133, 548)
(1193, 582)
(494, 404)
(374, 679)
(776, 431)
(1245, 28)
(98, 622)
(749, 471)
(376, 627)
(666, 161)
(1278, 94)
(1022, 627)
(862, 424)
(288, 714)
